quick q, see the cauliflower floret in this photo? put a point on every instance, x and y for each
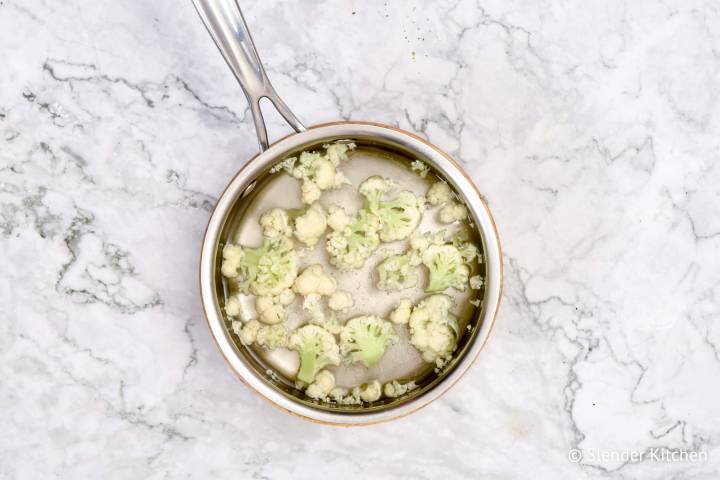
(314, 280)
(233, 256)
(398, 272)
(317, 349)
(311, 225)
(396, 389)
(267, 270)
(439, 193)
(420, 242)
(271, 308)
(248, 332)
(446, 268)
(337, 219)
(313, 305)
(318, 171)
(419, 167)
(272, 336)
(322, 386)
(350, 247)
(476, 282)
(453, 212)
(232, 306)
(402, 313)
(371, 392)
(433, 328)
(342, 396)
(398, 216)
(365, 338)
(340, 301)
(275, 223)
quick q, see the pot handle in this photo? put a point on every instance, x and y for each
(226, 25)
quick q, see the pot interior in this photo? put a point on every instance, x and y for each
(401, 361)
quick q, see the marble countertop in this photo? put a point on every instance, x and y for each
(591, 127)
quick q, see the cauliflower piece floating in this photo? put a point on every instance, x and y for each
(341, 301)
(267, 270)
(439, 193)
(272, 336)
(396, 389)
(351, 246)
(434, 329)
(453, 212)
(317, 349)
(365, 338)
(401, 314)
(247, 332)
(275, 223)
(337, 219)
(399, 216)
(271, 308)
(313, 305)
(419, 167)
(370, 392)
(314, 280)
(398, 272)
(318, 171)
(476, 282)
(232, 306)
(446, 268)
(311, 225)
(321, 387)
(420, 242)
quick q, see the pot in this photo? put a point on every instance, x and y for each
(229, 31)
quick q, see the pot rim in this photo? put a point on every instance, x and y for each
(313, 135)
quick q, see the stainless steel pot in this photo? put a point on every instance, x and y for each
(228, 29)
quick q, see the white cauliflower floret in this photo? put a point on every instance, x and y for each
(233, 256)
(364, 339)
(337, 219)
(419, 167)
(318, 171)
(272, 336)
(248, 332)
(402, 313)
(396, 389)
(371, 392)
(313, 305)
(317, 349)
(311, 225)
(446, 268)
(420, 242)
(434, 329)
(314, 280)
(275, 223)
(340, 301)
(398, 216)
(350, 247)
(439, 193)
(232, 306)
(398, 272)
(453, 212)
(322, 386)
(266, 270)
(476, 282)
(271, 308)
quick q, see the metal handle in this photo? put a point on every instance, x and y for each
(226, 25)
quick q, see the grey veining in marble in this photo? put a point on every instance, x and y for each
(592, 128)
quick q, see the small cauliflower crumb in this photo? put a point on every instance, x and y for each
(275, 223)
(476, 302)
(401, 314)
(310, 226)
(453, 212)
(321, 387)
(371, 392)
(476, 282)
(340, 301)
(314, 280)
(439, 193)
(249, 331)
(419, 167)
(396, 389)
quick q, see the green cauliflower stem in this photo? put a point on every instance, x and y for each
(352, 245)
(398, 272)
(446, 268)
(364, 339)
(266, 270)
(317, 349)
(398, 216)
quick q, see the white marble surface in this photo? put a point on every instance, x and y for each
(592, 128)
